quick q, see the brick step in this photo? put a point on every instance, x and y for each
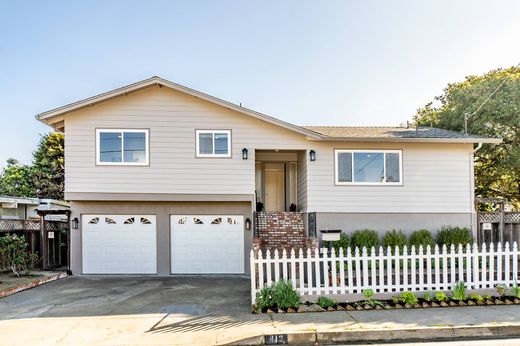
(281, 230)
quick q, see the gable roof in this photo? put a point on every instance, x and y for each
(54, 118)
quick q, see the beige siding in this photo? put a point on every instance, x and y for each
(436, 178)
(172, 118)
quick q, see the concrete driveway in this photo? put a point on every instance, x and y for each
(125, 295)
(129, 310)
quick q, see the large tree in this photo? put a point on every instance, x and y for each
(491, 102)
(16, 180)
(48, 166)
(44, 178)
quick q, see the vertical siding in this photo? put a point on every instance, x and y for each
(302, 181)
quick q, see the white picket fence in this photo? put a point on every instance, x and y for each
(322, 272)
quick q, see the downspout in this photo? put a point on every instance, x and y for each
(475, 220)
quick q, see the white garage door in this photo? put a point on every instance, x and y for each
(207, 244)
(119, 244)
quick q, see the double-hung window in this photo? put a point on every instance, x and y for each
(368, 167)
(213, 143)
(122, 147)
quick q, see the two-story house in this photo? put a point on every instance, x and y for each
(163, 179)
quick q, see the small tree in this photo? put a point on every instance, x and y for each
(14, 254)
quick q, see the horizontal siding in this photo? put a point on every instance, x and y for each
(172, 118)
(436, 178)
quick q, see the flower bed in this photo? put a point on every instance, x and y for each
(283, 298)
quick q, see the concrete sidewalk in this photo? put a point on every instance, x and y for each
(144, 310)
(248, 329)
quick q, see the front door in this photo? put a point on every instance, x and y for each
(274, 185)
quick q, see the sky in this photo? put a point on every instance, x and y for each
(306, 62)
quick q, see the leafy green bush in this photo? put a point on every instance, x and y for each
(368, 293)
(281, 295)
(395, 238)
(441, 297)
(427, 296)
(422, 237)
(449, 235)
(501, 289)
(476, 297)
(342, 243)
(515, 291)
(15, 255)
(408, 297)
(459, 291)
(325, 302)
(366, 238)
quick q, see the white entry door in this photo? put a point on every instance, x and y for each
(207, 244)
(119, 244)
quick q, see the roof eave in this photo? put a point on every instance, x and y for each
(46, 116)
(414, 140)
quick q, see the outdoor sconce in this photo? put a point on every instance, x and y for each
(248, 224)
(312, 155)
(244, 154)
(75, 223)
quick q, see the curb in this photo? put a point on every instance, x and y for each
(9, 291)
(392, 335)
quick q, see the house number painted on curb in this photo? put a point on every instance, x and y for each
(280, 339)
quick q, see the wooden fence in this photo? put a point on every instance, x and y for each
(498, 226)
(54, 247)
(323, 272)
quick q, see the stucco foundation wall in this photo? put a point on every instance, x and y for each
(382, 222)
(162, 210)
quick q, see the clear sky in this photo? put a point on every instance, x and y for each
(306, 62)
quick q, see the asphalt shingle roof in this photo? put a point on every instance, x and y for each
(388, 132)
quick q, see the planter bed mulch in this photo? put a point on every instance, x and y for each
(11, 284)
(389, 305)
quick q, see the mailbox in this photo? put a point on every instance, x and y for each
(330, 234)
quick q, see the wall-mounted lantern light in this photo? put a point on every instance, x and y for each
(248, 224)
(244, 154)
(312, 155)
(75, 223)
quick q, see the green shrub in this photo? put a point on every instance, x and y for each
(325, 302)
(459, 291)
(366, 238)
(501, 289)
(422, 237)
(368, 293)
(395, 238)
(476, 297)
(281, 295)
(408, 297)
(441, 297)
(427, 296)
(515, 291)
(449, 235)
(342, 243)
(15, 255)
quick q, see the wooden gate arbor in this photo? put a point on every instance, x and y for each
(497, 226)
(48, 239)
(54, 236)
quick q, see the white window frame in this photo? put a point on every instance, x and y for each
(122, 163)
(353, 151)
(213, 132)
